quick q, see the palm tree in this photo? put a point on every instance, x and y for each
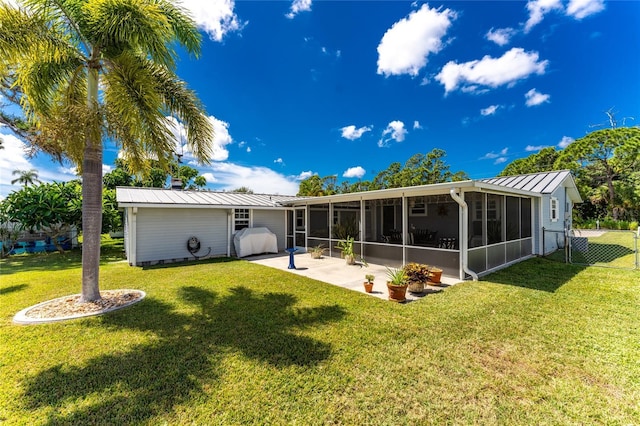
(92, 69)
(25, 177)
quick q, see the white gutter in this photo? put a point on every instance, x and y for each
(464, 238)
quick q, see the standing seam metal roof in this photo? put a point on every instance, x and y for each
(542, 183)
(131, 195)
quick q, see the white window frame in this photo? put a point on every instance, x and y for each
(241, 217)
(553, 209)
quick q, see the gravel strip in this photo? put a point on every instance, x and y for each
(69, 307)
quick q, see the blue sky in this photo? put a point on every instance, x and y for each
(346, 88)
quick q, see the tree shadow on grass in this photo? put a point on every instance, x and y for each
(536, 274)
(13, 288)
(150, 379)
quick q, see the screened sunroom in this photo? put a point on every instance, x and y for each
(420, 228)
(466, 228)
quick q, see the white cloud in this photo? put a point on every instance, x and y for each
(221, 138)
(248, 149)
(490, 110)
(492, 155)
(351, 133)
(531, 148)
(537, 9)
(356, 172)
(565, 141)
(514, 65)
(305, 175)
(279, 161)
(209, 177)
(261, 180)
(500, 160)
(580, 9)
(405, 46)
(395, 131)
(500, 36)
(416, 125)
(15, 157)
(298, 6)
(215, 17)
(533, 98)
(106, 169)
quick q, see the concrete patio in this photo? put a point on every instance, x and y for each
(336, 272)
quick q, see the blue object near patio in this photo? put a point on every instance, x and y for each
(291, 251)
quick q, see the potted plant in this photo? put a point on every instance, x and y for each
(368, 284)
(346, 247)
(396, 284)
(317, 251)
(417, 275)
(435, 275)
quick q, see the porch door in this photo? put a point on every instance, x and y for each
(300, 226)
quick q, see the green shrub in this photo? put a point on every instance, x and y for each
(633, 226)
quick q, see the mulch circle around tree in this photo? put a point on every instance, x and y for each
(69, 307)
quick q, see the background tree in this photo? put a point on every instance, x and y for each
(25, 177)
(316, 186)
(88, 69)
(243, 190)
(604, 157)
(54, 209)
(155, 176)
(419, 169)
(544, 160)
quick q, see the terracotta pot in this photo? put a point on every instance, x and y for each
(435, 276)
(368, 287)
(315, 255)
(416, 287)
(397, 293)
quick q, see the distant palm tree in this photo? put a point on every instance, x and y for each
(25, 177)
(94, 69)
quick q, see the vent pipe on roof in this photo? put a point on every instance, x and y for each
(464, 238)
(176, 184)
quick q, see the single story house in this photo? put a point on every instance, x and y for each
(467, 228)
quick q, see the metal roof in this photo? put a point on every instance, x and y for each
(131, 196)
(531, 184)
(541, 183)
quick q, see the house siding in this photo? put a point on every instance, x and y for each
(162, 234)
(275, 220)
(554, 230)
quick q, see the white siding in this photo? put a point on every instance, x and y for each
(275, 221)
(554, 240)
(162, 234)
(125, 229)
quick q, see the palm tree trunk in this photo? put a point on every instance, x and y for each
(91, 201)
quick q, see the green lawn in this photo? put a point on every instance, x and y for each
(230, 342)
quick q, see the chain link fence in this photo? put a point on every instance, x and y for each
(614, 249)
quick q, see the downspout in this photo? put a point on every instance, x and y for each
(464, 238)
(229, 231)
(133, 237)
